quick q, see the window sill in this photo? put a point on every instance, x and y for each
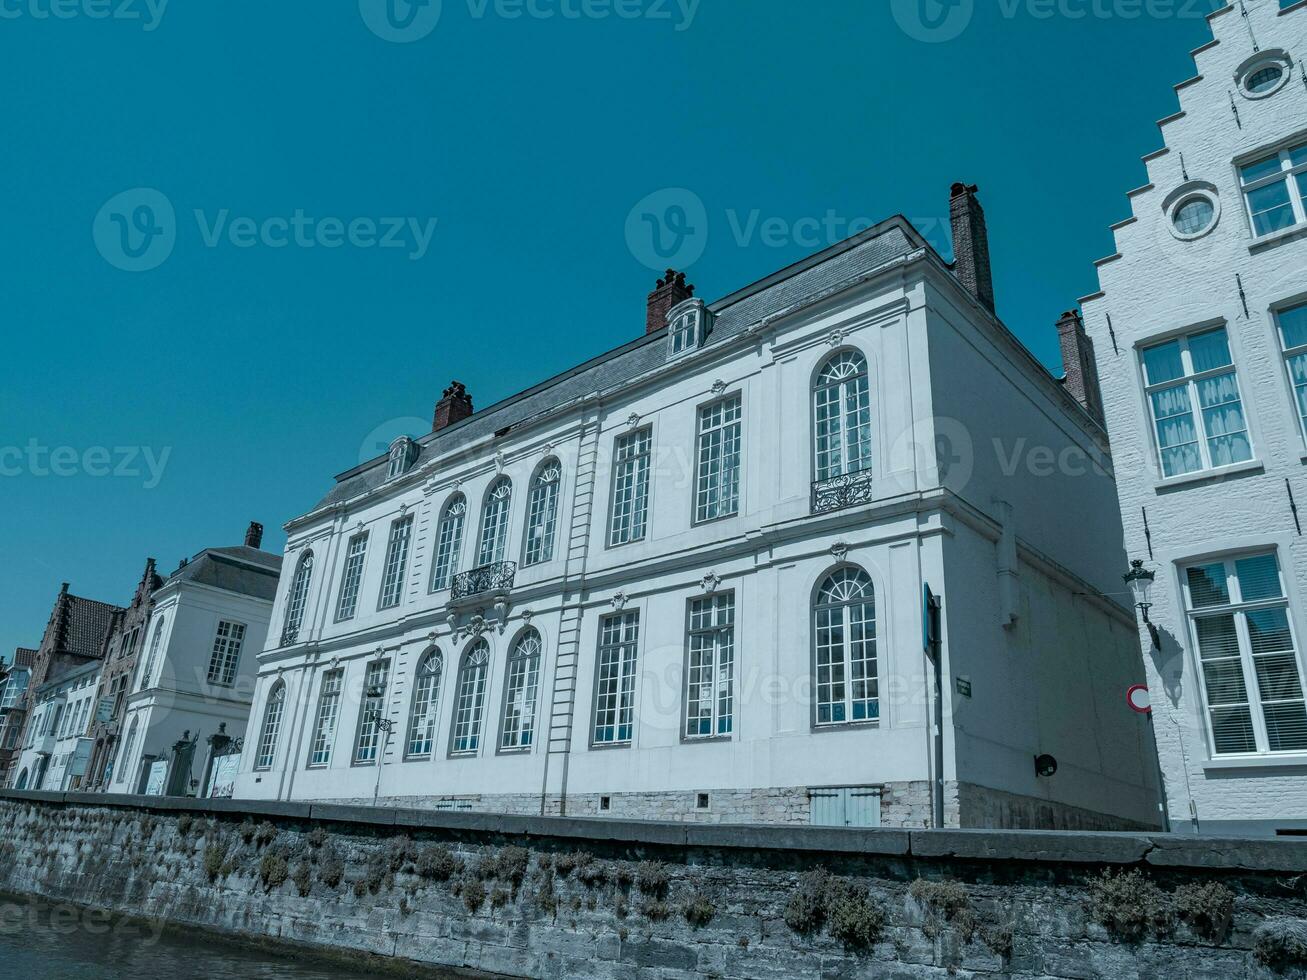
(844, 726)
(605, 746)
(1212, 475)
(1276, 237)
(514, 750)
(705, 739)
(1257, 762)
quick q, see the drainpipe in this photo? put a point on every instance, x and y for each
(931, 611)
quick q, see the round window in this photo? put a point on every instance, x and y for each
(1194, 216)
(1264, 79)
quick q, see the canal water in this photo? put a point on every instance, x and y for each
(41, 941)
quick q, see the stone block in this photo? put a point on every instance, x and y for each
(1056, 847)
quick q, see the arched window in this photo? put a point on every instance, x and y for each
(520, 692)
(271, 726)
(299, 596)
(125, 756)
(147, 668)
(426, 694)
(449, 543)
(845, 624)
(842, 416)
(465, 736)
(494, 522)
(542, 513)
(22, 780)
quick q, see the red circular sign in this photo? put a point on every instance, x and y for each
(1139, 700)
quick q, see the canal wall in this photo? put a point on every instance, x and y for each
(621, 900)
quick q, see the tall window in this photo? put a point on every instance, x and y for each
(1293, 337)
(845, 623)
(615, 684)
(226, 653)
(449, 543)
(710, 672)
(1251, 673)
(494, 522)
(371, 708)
(1196, 373)
(392, 583)
(1275, 188)
(125, 756)
(717, 489)
(542, 513)
(298, 599)
(470, 707)
(842, 416)
(348, 603)
(324, 724)
(630, 515)
(426, 694)
(147, 669)
(520, 692)
(271, 726)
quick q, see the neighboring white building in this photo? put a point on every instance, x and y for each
(57, 751)
(198, 666)
(1200, 336)
(685, 579)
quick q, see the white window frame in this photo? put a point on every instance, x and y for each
(297, 599)
(271, 728)
(617, 664)
(228, 641)
(1290, 353)
(542, 513)
(147, 668)
(843, 608)
(325, 719)
(396, 566)
(1239, 609)
(468, 724)
(1287, 172)
(852, 432)
(428, 674)
(449, 543)
(710, 667)
(628, 511)
(496, 512)
(1190, 382)
(521, 693)
(719, 459)
(683, 334)
(351, 579)
(372, 706)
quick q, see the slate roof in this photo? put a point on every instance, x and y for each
(246, 571)
(87, 625)
(24, 657)
(844, 262)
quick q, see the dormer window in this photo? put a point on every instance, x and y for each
(403, 452)
(687, 327)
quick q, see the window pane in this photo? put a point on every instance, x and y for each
(630, 488)
(1227, 435)
(1262, 168)
(1210, 351)
(1293, 327)
(1164, 363)
(392, 586)
(1232, 730)
(1286, 727)
(718, 485)
(449, 543)
(1177, 436)
(1208, 586)
(1259, 578)
(1271, 208)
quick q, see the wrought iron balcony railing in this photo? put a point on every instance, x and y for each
(484, 580)
(840, 492)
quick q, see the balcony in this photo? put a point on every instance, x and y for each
(841, 492)
(484, 581)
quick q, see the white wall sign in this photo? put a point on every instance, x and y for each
(158, 778)
(225, 768)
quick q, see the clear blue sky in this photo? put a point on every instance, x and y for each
(262, 370)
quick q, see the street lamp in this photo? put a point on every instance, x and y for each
(1141, 581)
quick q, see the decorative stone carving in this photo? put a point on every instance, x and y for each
(839, 550)
(835, 337)
(710, 582)
(620, 600)
(633, 420)
(499, 462)
(718, 386)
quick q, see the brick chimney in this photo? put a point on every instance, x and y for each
(1081, 380)
(254, 535)
(454, 407)
(971, 244)
(671, 289)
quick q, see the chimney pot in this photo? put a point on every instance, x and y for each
(1081, 380)
(455, 406)
(971, 243)
(254, 535)
(671, 290)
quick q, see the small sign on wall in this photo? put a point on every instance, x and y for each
(223, 783)
(158, 778)
(964, 686)
(104, 710)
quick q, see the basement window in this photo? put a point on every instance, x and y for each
(605, 803)
(701, 801)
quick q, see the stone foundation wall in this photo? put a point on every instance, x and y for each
(613, 900)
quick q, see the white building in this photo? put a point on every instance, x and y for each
(685, 579)
(1200, 336)
(198, 667)
(57, 751)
